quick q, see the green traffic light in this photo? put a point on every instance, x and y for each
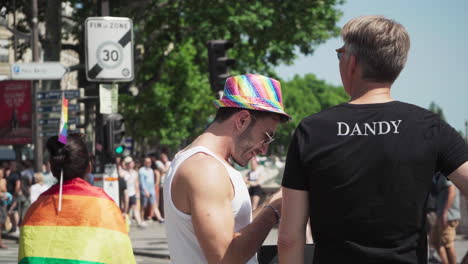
(119, 149)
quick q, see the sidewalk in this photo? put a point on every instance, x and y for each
(150, 244)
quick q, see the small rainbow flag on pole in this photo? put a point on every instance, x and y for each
(63, 133)
(90, 229)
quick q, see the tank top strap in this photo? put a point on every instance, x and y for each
(182, 156)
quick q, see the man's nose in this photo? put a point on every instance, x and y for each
(264, 149)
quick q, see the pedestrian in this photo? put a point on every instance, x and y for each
(147, 190)
(49, 179)
(73, 222)
(163, 165)
(157, 185)
(123, 192)
(448, 218)
(27, 180)
(253, 179)
(133, 189)
(38, 188)
(13, 178)
(362, 170)
(206, 201)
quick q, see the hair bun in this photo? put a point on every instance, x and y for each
(57, 151)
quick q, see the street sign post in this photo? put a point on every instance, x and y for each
(58, 108)
(74, 120)
(38, 71)
(109, 49)
(47, 134)
(57, 94)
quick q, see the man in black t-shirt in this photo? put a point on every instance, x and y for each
(362, 171)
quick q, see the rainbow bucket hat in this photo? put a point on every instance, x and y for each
(252, 91)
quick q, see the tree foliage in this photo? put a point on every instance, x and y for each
(302, 97)
(172, 67)
(433, 107)
(174, 102)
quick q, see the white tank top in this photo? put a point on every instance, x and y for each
(183, 244)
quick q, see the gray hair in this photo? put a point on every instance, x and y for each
(380, 45)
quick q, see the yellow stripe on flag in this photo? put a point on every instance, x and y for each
(78, 243)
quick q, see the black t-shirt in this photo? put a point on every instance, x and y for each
(11, 181)
(368, 171)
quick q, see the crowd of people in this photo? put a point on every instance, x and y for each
(141, 185)
(19, 188)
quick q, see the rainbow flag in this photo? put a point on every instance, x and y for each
(63, 122)
(89, 229)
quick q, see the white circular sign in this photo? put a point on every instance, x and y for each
(109, 55)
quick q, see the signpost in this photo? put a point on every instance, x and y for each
(47, 134)
(57, 108)
(38, 71)
(75, 120)
(57, 94)
(109, 49)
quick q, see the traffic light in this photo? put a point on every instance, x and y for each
(219, 63)
(114, 132)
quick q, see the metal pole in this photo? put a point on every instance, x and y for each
(37, 140)
(14, 28)
(103, 10)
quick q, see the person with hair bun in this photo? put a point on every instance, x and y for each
(73, 222)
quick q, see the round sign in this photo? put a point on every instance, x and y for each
(109, 55)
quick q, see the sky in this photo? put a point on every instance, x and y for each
(437, 64)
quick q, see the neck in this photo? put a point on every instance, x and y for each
(216, 139)
(371, 93)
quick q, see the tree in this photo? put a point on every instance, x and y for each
(433, 107)
(303, 96)
(174, 102)
(264, 34)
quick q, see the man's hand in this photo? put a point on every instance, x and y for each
(147, 194)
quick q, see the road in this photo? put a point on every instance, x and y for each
(150, 245)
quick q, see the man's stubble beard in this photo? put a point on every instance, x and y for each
(241, 145)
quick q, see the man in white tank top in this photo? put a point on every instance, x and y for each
(206, 202)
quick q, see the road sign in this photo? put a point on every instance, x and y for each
(109, 49)
(46, 134)
(58, 108)
(74, 120)
(38, 71)
(57, 94)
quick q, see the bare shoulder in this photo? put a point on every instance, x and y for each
(203, 172)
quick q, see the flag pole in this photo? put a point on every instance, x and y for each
(60, 192)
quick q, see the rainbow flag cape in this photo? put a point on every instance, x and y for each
(63, 122)
(89, 229)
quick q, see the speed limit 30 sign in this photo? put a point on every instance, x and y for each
(109, 49)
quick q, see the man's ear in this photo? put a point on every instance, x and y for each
(242, 119)
(352, 66)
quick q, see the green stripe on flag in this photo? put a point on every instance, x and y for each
(41, 260)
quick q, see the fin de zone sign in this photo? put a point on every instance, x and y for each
(109, 49)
